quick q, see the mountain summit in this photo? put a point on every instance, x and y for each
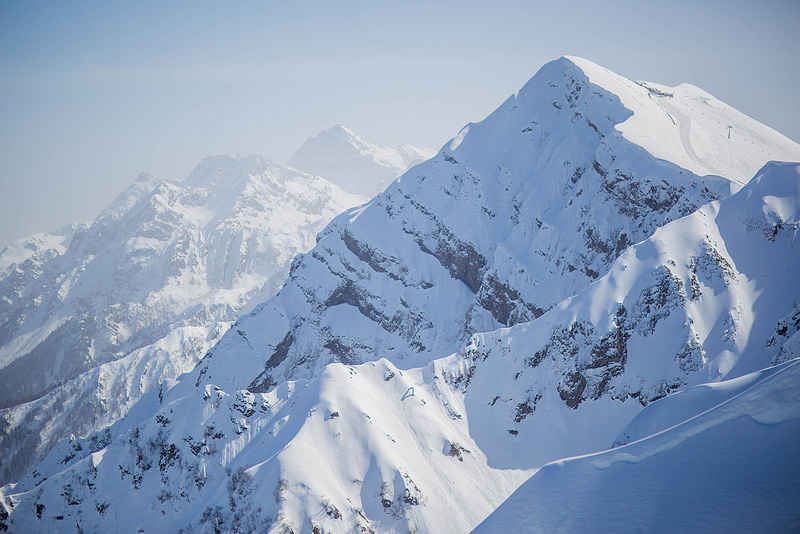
(548, 187)
(353, 163)
(521, 297)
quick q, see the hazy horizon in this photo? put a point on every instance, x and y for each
(94, 93)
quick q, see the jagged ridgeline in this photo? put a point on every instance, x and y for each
(586, 227)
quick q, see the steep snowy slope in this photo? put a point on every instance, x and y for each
(353, 163)
(686, 404)
(92, 317)
(546, 188)
(375, 447)
(732, 468)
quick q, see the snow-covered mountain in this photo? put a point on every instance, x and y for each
(514, 215)
(709, 297)
(95, 315)
(353, 163)
(572, 227)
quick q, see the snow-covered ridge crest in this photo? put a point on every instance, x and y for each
(708, 297)
(602, 278)
(689, 127)
(738, 455)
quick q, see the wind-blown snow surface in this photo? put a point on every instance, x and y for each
(436, 446)
(353, 163)
(95, 315)
(731, 468)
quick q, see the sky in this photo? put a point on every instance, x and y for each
(94, 92)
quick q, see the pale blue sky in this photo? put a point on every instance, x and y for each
(92, 93)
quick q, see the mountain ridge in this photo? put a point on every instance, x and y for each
(737, 455)
(376, 447)
(435, 231)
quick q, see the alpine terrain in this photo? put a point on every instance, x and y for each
(599, 265)
(93, 316)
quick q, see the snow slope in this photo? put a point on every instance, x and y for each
(93, 316)
(356, 447)
(353, 163)
(731, 468)
(373, 446)
(691, 128)
(436, 448)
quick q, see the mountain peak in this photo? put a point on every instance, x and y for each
(356, 165)
(340, 129)
(143, 290)
(224, 168)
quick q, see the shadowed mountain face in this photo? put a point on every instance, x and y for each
(517, 299)
(737, 453)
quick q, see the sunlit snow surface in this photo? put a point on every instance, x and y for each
(691, 128)
(431, 448)
(532, 204)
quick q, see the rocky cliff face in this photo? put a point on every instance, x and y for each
(702, 300)
(94, 317)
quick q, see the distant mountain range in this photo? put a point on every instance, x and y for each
(601, 266)
(94, 315)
